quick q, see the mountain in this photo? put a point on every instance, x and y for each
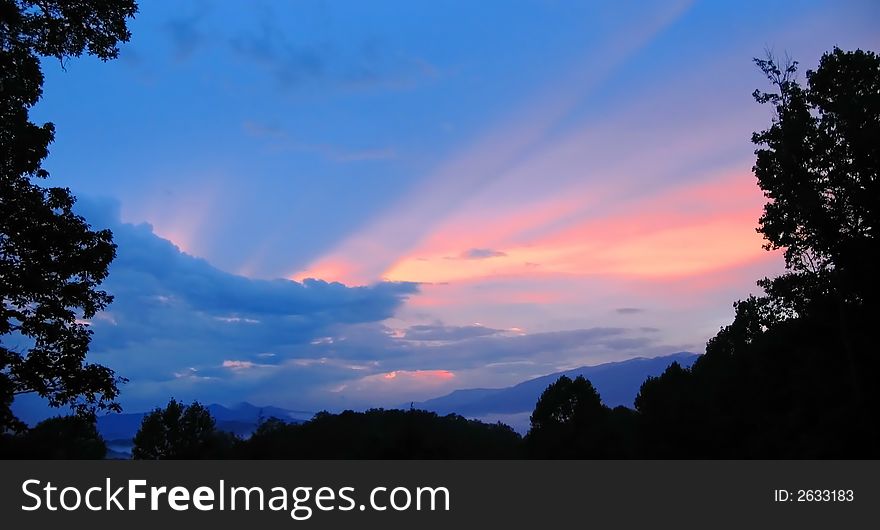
(618, 383)
(245, 412)
(240, 419)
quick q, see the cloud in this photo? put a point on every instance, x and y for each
(365, 63)
(399, 385)
(180, 327)
(185, 35)
(280, 140)
(543, 352)
(481, 253)
(486, 173)
(412, 370)
(290, 65)
(629, 310)
(243, 365)
(439, 332)
(173, 311)
(687, 230)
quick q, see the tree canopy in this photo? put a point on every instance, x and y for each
(818, 165)
(791, 376)
(51, 260)
(570, 421)
(379, 433)
(177, 432)
(61, 437)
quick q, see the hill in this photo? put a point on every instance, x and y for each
(240, 419)
(617, 383)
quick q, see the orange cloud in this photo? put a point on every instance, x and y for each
(420, 375)
(399, 385)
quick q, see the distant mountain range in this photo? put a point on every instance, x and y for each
(239, 419)
(618, 383)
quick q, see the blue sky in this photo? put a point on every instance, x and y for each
(482, 192)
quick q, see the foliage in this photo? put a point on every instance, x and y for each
(818, 165)
(61, 437)
(382, 434)
(179, 432)
(51, 261)
(570, 421)
(790, 377)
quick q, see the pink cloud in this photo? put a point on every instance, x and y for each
(420, 375)
(689, 230)
(238, 365)
(391, 388)
(489, 159)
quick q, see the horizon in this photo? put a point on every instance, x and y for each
(515, 410)
(325, 207)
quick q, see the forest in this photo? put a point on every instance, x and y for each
(793, 376)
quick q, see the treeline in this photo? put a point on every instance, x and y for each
(780, 393)
(59, 438)
(188, 431)
(180, 431)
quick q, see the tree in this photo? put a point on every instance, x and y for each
(65, 437)
(790, 376)
(570, 421)
(819, 166)
(51, 261)
(61, 437)
(178, 432)
(381, 434)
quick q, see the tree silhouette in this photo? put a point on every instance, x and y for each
(570, 421)
(61, 437)
(378, 434)
(818, 165)
(66, 437)
(790, 376)
(51, 261)
(179, 432)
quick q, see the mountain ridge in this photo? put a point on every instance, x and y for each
(617, 382)
(241, 418)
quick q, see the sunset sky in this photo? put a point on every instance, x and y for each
(352, 204)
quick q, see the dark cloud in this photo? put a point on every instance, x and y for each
(549, 346)
(183, 310)
(365, 65)
(364, 352)
(280, 140)
(185, 36)
(440, 332)
(184, 28)
(627, 343)
(629, 310)
(480, 253)
(181, 327)
(543, 349)
(290, 65)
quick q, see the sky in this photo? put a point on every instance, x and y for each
(329, 205)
